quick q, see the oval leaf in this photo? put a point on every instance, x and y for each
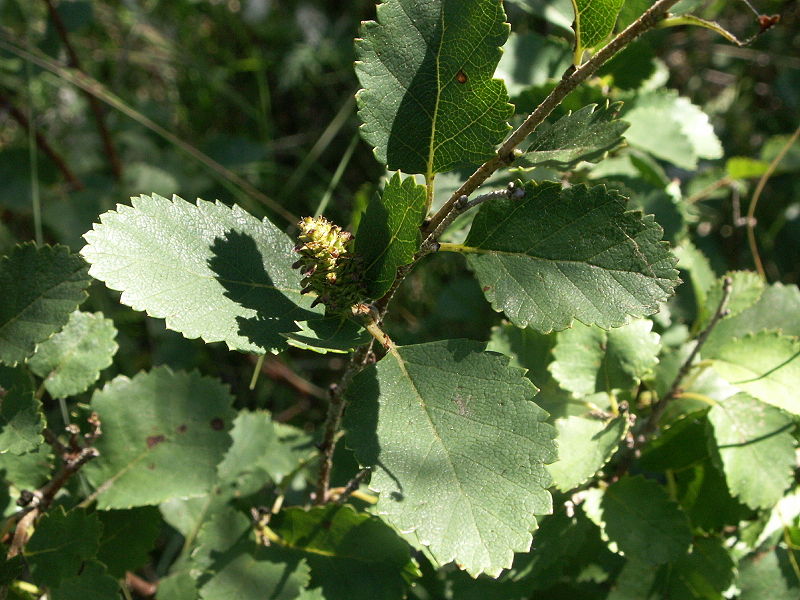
(558, 255)
(71, 360)
(211, 271)
(389, 235)
(41, 287)
(163, 435)
(754, 444)
(453, 434)
(429, 102)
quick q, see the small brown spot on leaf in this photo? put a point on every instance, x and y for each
(155, 440)
(461, 77)
(217, 424)
(486, 288)
(151, 466)
(181, 428)
(326, 524)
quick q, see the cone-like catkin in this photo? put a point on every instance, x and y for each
(329, 267)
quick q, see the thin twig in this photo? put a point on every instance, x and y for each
(571, 79)
(651, 425)
(94, 103)
(333, 420)
(463, 204)
(504, 156)
(275, 369)
(38, 501)
(709, 189)
(353, 485)
(142, 587)
(751, 210)
(675, 389)
(44, 145)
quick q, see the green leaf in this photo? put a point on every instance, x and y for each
(555, 12)
(429, 102)
(163, 435)
(590, 359)
(72, 359)
(234, 566)
(765, 365)
(584, 447)
(453, 433)
(21, 418)
(93, 583)
(10, 568)
(671, 128)
(177, 586)
(333, 333)
(41, 287)
(60, 544)
(603, 266)
(186, 515)
(635, 582)
(532, 59)
(531, 350)
(263, 451)
(594, 22)
(353, 556)
(755, 446)
(639, 516)
(128, 537)
(389, 235)
(705, 572)
(27, 471)
(587, 134)
(775, 145)
(769, 574)
(680, 445)
(701, 275)
(741, 167)
(746, 289)
(630, 68)
(561, 544)
(527, 348)
(704, 496)
(211, 271)
(777, 308)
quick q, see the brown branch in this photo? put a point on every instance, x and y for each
(651, 425)
(571, 79)
(675, 389)
(504, 156)
(140, 586)
(94, 103)
(333, 420)
(42, 143)
(353, 485)
(35, 503)
(276, 370)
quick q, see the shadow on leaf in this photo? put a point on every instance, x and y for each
(242, 271)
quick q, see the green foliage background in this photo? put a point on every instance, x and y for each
(266, 89)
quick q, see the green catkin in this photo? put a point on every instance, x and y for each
(329, 267)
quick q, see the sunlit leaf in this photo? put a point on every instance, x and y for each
(452, 433)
